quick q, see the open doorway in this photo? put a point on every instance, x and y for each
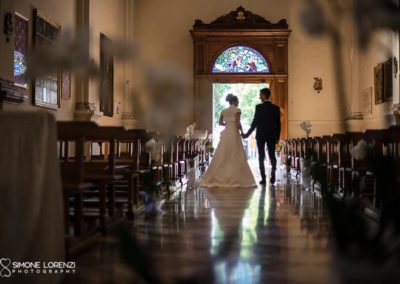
(248, 94)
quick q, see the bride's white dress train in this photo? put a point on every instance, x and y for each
(229, 167)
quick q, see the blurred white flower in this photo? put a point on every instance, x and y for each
(190, 131)
(360, 151)
(306, 126)
(368, 16)
(149, 145)
(167, 102)
(153, 147)
(158, 119)
(72, 54)
(121, 49)
(156, 152)
(313, 18)
(371, 15)
(68, 54)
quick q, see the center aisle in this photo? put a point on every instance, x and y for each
(272, 234)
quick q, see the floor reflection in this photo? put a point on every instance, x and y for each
(231, 235)
(264, 235)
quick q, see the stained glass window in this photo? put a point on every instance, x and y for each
(21, 45)
(240, 59)
(19, 64)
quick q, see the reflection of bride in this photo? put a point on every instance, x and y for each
(229, 167)
(229, 249)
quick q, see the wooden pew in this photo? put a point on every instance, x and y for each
(125, 179)
(292, 151)
(182, 171)
(165, 171)
(131, 151)
(175, 159)
(74, 187)
(379, 141)
(333, 157)
(347, 143)
(315, 148)
(168, 162)
(322, 156)
(355, 177)
(297, 155)
(99, 205)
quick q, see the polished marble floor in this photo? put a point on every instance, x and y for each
(271, 234)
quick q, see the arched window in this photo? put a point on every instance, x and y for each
(240, 59)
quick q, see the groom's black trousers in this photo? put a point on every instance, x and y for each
(261, 154)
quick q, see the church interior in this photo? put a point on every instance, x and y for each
(109, 118)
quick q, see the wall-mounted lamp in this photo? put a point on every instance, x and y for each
(318, 84)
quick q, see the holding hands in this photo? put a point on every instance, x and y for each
(245, 135)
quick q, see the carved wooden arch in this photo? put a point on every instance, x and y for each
(233, 45)
(240, 27)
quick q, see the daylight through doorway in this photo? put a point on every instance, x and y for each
(248, 94)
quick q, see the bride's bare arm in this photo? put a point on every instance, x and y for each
(239, 125)
(221, 121)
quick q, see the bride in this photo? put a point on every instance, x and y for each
(229, 167)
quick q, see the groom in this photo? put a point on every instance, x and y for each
(268, 123)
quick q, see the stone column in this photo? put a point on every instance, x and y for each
(84, 110)
(354, 115)
(128, 100)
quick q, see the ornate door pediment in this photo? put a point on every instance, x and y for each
(243, 28)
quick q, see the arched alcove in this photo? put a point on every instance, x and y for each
(239, 28)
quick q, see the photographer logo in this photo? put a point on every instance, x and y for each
(9, 268)
(5, 264)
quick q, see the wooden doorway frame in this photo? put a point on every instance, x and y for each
(241, 27)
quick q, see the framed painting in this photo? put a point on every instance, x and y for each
(388, 80)
(46, 89)
(378, 83)
(66, 85)
(106, 78)
(21, 27)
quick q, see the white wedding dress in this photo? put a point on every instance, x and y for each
(229, 167)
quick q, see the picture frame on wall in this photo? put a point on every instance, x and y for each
(66, 85)
(378, 83)
(388, 80)
(46, 90)
(106, 78)
(21, 27)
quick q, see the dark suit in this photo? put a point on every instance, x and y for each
(267, 120)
